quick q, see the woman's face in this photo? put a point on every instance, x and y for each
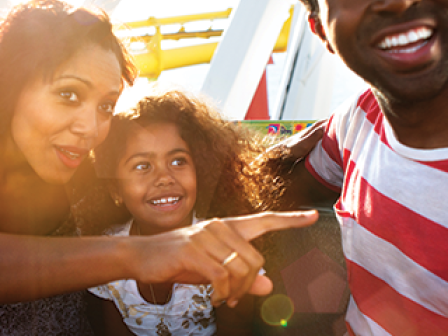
(58, 121)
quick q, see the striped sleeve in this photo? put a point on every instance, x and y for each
(326, 161)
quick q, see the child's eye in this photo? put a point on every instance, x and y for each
(70, 96)
(179, 161)
(142, 166)
(107, 107)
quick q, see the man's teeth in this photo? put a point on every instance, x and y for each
(71, 155)
(166, 200)
(404, 39)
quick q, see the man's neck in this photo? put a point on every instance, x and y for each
(419, 124)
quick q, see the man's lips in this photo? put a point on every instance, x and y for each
(406, 42)
(408, 47)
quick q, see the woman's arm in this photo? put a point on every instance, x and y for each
(36, 267)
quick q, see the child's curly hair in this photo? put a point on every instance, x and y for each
(230, 179)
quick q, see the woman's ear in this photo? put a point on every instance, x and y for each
(317, 28)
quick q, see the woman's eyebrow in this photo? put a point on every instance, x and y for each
(85, 81)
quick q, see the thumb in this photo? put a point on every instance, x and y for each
(261, 286)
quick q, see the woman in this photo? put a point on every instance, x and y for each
(61, 72)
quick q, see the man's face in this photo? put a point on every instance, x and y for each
(400, 47)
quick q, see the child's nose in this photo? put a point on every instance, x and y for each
(164, 178)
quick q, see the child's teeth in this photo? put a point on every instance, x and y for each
(166, 200)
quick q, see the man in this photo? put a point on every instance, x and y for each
(384, 159)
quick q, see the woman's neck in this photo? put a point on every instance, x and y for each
(29, 204)
(13, 159)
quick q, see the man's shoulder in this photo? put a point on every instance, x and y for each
(367, 101)
(360, 106)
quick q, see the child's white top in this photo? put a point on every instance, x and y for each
(189, 311)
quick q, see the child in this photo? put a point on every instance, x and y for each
(172, 161)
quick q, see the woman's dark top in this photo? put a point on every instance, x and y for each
(62, 315)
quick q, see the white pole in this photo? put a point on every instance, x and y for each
(239, 62)
(307, 86)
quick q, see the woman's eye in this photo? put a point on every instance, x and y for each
(107, 107)
(70, 96)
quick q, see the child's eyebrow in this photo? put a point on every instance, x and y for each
(181, 150)
(152, 154)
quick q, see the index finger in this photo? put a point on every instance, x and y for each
(253, 226)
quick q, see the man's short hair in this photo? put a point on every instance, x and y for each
(311, 5)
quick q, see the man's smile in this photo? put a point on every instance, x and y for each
(406, 42)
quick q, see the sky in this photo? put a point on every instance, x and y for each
(130, 10)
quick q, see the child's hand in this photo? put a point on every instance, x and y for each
(200, 254)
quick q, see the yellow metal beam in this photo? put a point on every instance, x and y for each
(205, 34)
(155, 60)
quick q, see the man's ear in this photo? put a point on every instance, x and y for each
(317, 28)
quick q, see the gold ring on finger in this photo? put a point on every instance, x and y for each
(232, 256)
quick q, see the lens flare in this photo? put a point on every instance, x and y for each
(277, 310)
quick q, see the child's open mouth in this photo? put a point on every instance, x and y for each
(165, 201)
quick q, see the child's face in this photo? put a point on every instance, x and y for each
(399, 46)
(157, 178)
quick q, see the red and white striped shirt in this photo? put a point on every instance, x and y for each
(393, 213)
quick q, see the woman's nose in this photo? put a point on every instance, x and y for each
(85, 123)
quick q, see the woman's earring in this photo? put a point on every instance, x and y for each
(117, 202)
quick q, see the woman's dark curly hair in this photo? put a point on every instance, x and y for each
(230, 179)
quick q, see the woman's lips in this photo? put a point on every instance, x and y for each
(70, 156)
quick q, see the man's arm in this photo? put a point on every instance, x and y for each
(303, 191)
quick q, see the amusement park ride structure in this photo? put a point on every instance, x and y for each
(236, 79)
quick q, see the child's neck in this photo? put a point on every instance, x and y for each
(157, 293)
(147, 229)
